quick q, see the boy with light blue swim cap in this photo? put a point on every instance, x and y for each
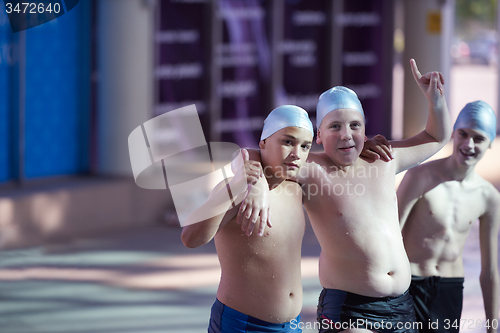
(439, 201)
(260, 289)
(337, 98)
(480, 116)
(285, 116)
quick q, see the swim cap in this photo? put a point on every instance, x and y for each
(478, 115)
(337, 98)
(285, 116)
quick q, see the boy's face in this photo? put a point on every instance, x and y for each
(284, 152)
(469, 145)
(342, 133)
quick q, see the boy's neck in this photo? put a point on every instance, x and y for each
(272, 180)
(458, 171)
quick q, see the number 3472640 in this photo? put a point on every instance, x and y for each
(32, 8)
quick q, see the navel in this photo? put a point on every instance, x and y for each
(340, 215)
(390, 273)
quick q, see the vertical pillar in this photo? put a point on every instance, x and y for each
(125, 88)
(428, 34)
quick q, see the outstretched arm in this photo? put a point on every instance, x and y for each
(437, 132)
(489, 278)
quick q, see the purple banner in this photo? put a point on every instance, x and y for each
(243, 59)
(305, 54)
(182, 39)
(366, 58)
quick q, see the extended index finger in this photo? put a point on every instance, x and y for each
(414, 70)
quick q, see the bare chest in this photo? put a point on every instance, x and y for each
(452, 206)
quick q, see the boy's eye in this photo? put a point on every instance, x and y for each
(287, 142)
(306, 147)
(478, 139)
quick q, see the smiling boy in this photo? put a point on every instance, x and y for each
(260, 289)
(439, 202)
(352, 207)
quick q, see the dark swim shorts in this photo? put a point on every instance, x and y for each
(438, 302)
(340, 310)
(227, 320)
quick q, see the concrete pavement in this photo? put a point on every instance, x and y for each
(141, 281)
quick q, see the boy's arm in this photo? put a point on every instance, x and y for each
(489, 277)
(408, 194)
(255, 211)
(437, 132)
(203, 223)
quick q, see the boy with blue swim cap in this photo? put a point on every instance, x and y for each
(439, 202)
(260, 289)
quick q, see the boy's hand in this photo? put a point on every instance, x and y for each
(253, 169)
(254, 213)
(377, 148)
(430, 83)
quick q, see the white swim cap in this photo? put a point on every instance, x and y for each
(285, 116)
(337, 98)
(478, 115)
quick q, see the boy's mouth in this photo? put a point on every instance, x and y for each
(292, 165)
(467, 153)
(347, 149)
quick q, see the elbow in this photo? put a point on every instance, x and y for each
(489, 277)
(189, 240)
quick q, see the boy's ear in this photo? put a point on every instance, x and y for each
(318, 137)
(262, 144)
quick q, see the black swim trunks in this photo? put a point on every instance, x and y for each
(228, 320)
(339, 310)
(438, 302)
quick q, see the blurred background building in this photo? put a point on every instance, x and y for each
(74, 88)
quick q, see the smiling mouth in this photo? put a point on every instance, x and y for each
(468, 154)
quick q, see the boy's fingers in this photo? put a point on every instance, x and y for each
(263, 219)
(414, 70)
(245, 155)
(246, 217)
(250, 228)
(269, 217)
(381, 139)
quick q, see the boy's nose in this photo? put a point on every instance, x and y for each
(470, 143)
(346, 135)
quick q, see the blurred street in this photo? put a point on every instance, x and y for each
(145, 281)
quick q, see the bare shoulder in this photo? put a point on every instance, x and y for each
(491, 193)
(424, 172)
(315, 166)
(318, 158)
